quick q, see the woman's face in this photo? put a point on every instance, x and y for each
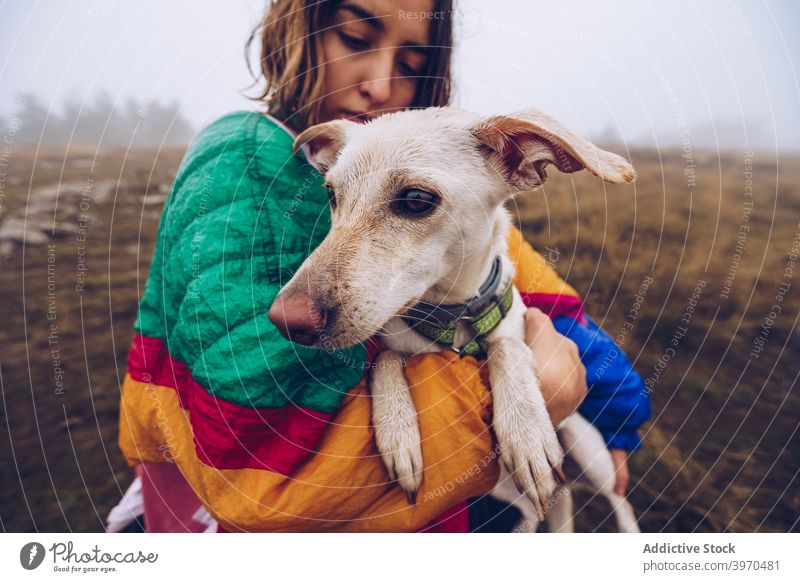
(373, 51)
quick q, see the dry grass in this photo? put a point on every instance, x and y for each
(716, 454)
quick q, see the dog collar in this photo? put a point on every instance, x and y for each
(481, 314)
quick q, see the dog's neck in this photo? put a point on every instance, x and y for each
(464, 281)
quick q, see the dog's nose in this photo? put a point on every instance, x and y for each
(297, 318)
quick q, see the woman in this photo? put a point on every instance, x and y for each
(269, 435)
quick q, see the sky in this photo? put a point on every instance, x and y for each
(639, 71)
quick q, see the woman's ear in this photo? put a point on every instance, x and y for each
(325, 141)
(522, 144)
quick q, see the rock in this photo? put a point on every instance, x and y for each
(45, 165)
(97, 191)
(153, 199)
(64, 228)
(83, 163)
(53, 191)
(13, 230)
(41, 207)
(6, 248)
(103, 191)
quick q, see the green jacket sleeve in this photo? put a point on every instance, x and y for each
(242, 216)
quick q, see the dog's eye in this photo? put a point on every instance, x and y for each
(332, 196)
(415, 203)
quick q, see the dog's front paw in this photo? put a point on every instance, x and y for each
(398, 440)
(396, 424)
(532, 455)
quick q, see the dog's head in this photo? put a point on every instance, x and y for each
(413, 194)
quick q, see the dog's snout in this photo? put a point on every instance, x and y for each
(298, 318)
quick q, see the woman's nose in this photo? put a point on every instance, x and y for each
(377, 86)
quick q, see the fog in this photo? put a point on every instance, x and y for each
(720, 74)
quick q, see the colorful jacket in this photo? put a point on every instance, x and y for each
(273, 436)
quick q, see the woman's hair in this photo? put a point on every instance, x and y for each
(292, 59)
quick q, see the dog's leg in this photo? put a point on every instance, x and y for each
(623, 512)
(507, 492)
(584, 444)
(529, 522)
(561, 513)
(528, 444)
(396, 424)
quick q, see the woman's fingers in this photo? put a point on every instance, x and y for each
(561, 373)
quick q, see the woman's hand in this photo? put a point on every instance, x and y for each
(620, 458)
(561, 373)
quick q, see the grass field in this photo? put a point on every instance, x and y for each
(683, 269)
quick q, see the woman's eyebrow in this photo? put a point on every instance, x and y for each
(365, 15)
(423, 50)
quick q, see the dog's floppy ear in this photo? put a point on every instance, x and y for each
(325, 140)
(522, 144)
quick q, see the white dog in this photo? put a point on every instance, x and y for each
(417, 253)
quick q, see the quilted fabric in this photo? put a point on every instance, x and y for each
(242, 216)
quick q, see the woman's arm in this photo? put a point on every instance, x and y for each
(342, 486)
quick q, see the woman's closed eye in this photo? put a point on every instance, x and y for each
(408, 71)
(354, 42)
(360, 44)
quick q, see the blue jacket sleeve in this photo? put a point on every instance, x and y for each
(618, 402)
